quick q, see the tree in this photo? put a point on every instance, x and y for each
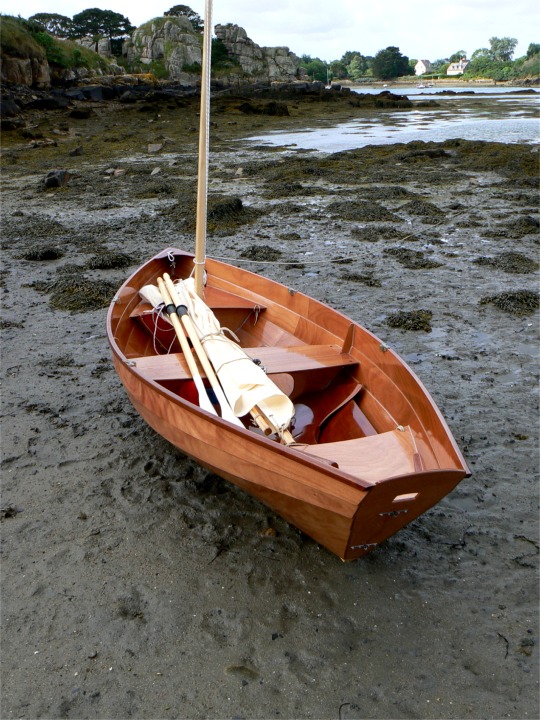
(481, 53)
(436, 65)
(185, 11)
(456, 57)
(502, 49)
(390, 63)
(349, 55)
(101, 23)
(315, 68)
(57, 25)
(338, 70)
(533, 49)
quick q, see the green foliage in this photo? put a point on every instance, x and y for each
(221, 60)
(315, 68)
(530, 67)
(53, 50)
(23, 38)
(486, 67)
(390, 63)
(158, 68)
(101, 23)
(58, 25)
(456, 57)
(185, 11)
(502, 49)
(17, 39)
(338, 70)
(533, 49)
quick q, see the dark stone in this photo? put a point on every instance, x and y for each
(8, 106)
(57, 178)
(81, 113)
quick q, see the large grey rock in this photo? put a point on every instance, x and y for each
(29, 71)
(171, 40)
(274, 64)
(102, 46)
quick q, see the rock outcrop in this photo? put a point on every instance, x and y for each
(102, 47)
(170, 40)
(274, 64)
(31, 71)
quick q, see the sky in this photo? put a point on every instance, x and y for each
(326, 29)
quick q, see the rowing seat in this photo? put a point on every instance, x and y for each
(374, 458)
(275, 360)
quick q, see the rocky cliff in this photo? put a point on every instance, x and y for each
(169, 40)
(31, 71)
(259, 63)
(167, 46)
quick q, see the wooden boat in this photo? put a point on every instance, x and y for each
(367, 450)
(371, 450)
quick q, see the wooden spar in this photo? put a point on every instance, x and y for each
(226, 410)
(204, 145)
(204, 400)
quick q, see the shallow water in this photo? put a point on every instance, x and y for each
(488, 115)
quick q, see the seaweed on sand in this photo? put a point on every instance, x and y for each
(361, 211)
(225, 213)
(411, 320)
(428, 212)
(42, 253)
(509, 262)
(78, 294)
(107, 260)
(263, 253)
(374, 233)
(516, 302)
(412, 259)
(366, 278)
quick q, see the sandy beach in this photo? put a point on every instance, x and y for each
(137, 585)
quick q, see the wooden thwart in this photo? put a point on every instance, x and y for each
(274, 359)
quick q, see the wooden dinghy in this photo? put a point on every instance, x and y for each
(369, 450)
(337, 434)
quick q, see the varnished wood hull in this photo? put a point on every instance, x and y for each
(346, 505)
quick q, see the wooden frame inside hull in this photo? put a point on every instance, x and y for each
(349, 515)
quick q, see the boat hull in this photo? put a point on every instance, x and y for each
(346, 513)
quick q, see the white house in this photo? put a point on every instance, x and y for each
(458, 68)
(422, 67)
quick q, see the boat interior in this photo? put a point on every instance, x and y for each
(337, 419)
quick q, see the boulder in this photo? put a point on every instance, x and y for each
(30, 71)
(271, 64)
(56, 178)
(171, 40)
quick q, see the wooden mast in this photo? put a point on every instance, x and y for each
(204, 127)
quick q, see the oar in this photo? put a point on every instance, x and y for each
(204, 400)
(182, 313)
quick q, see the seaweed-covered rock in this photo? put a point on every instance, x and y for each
(429, 212)
(77, 293)
(360, 211)
(42, 253)
(411, 320)
(412, 259)
(108, 260)
(264, 253)
(510, 262)
(516, 302)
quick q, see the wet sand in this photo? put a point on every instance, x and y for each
(134, 583)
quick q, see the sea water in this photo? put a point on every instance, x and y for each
(489, 113)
